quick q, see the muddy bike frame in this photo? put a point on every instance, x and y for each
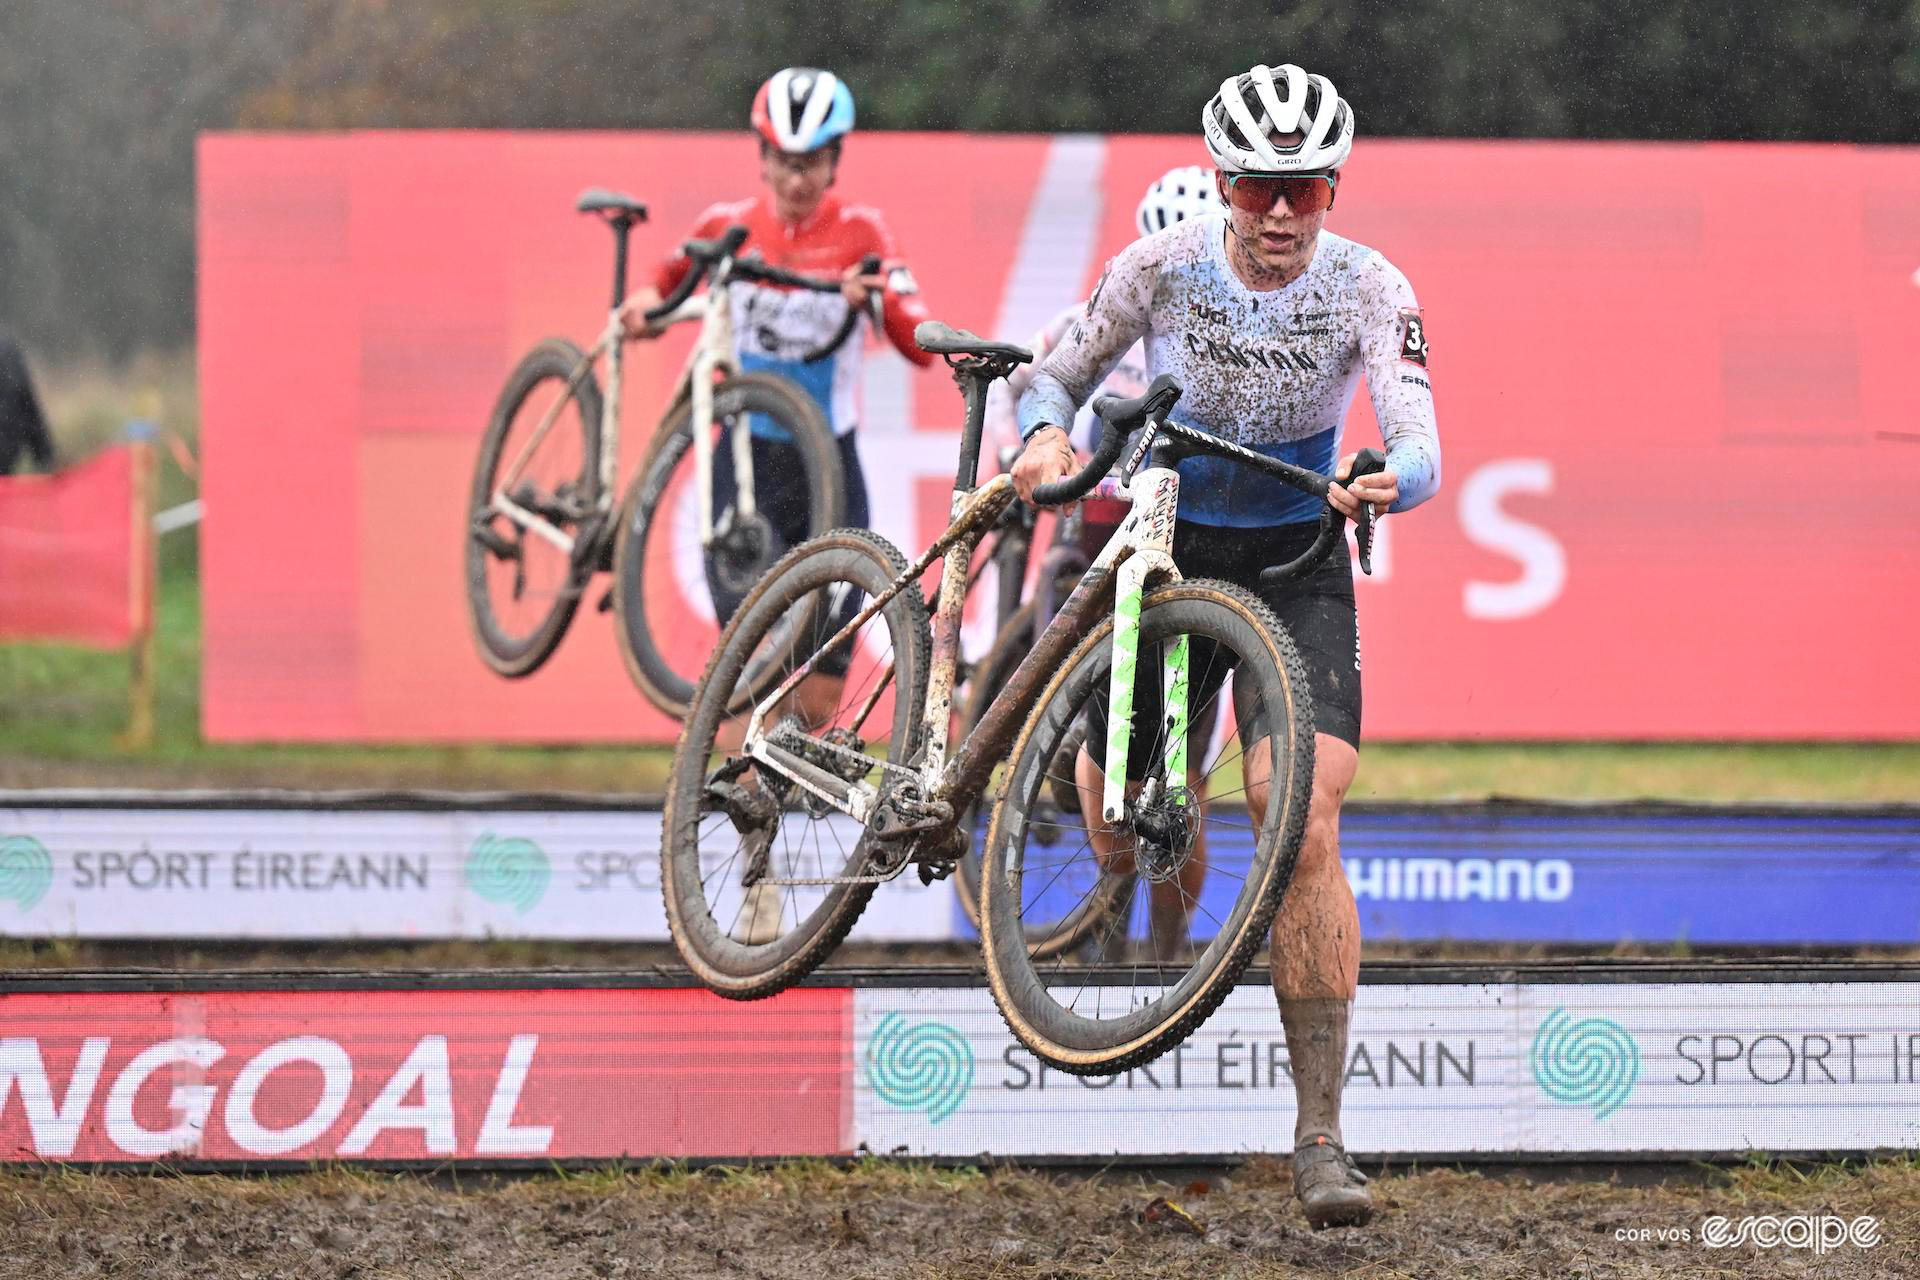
(711, 360)
(924, 795)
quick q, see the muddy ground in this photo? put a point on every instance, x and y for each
(800, 1222)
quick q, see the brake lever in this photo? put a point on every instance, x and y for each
(1366, 463)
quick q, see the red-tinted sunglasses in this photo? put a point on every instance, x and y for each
(1303, 192)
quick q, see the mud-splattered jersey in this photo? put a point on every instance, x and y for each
(1127, 379)
(774, 327)
(1274, 371)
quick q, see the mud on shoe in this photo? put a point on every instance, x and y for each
(1331, 1189)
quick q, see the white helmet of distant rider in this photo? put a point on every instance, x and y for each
(1178, 194)
(802, 109)
(1252, 109)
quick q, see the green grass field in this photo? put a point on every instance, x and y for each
(62, 711)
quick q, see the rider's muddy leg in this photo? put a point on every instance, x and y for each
(1315, 951)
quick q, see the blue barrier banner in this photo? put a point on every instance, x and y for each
(316, 866)
(1503, 874)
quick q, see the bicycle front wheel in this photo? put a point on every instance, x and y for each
(523, 583)
(762, 878)
(1095, 1021)
(671, 596)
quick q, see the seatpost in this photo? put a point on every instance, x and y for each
(974, 376)
(621, 226)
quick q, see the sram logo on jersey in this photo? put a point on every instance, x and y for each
(1413, 336)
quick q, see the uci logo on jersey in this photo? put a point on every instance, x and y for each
(1413, 336)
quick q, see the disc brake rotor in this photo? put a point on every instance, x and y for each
(741, 554)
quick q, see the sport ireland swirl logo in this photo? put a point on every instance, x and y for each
(922, 1066)
(1587, 1062)
(26, 871)
(508, 870)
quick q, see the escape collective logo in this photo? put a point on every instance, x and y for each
(1587, 1062)
(508, 870)
(26, 870)
(923, 1066)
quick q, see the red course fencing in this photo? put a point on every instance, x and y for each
(74, 552)
(1660, 388)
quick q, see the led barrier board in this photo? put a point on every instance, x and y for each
(537, 1069)
(319, 869)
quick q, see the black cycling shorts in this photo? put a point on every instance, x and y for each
(780, 494)
(1317, 611)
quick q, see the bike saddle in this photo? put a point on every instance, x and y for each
(944, 340)
(598, 200)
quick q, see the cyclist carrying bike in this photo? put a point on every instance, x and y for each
(1267, 322)
(802, 116)
(1180, 193)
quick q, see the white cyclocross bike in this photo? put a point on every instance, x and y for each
(542, 517)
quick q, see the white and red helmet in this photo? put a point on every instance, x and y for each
(802, 109)
(1239, 120)
(1178, 194)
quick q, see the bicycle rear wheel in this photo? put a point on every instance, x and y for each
(522, 588)
(762, 879)
(670, 597)
(1096, 1021)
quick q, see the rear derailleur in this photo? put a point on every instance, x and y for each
(753, 810)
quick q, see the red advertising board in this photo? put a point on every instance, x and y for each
(1700, 1062)
(422, 1075)
(1660, 388)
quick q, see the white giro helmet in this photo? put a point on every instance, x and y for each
(1269, 100)
(1179, 194)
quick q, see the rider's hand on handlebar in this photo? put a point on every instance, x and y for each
(1381, 489)
(855, 287)
(633, 314)
(1049, 456)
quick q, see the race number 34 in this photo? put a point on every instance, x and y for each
(1413, 336)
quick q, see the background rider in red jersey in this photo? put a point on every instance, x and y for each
(802, 117)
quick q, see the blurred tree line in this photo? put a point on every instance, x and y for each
(100, 100)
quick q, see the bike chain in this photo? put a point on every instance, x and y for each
(814, 747)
